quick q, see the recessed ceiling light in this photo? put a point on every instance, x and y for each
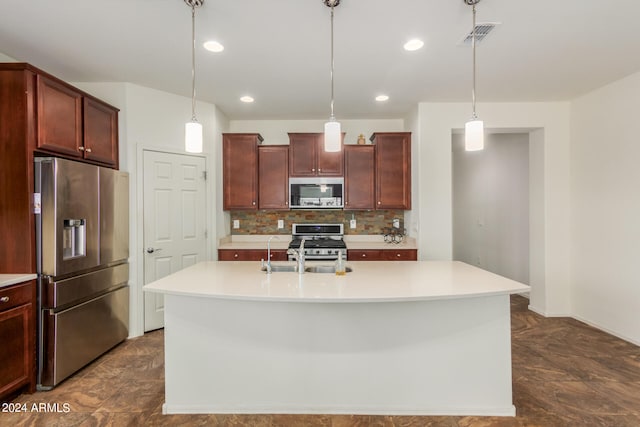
(413, 44)
(247, 99)
(381, 98)
(213, 46)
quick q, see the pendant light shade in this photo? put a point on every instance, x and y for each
(193, 129)
(474, 128)
(474, 135)
(193, 137)
(332, 132)
(332, 136)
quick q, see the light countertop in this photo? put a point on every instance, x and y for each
(12, 279)
(358, 242)
(370, 281)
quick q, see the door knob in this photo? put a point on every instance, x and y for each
(152, 250)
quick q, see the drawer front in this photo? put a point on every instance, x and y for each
(13, 296)
(364, 255)
(400, 255)
(250, 255)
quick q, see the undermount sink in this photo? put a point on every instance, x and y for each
(310, 269)
(324, 269)
(276, 268)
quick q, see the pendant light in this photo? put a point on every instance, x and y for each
(474, 128)
(332, 133)
(193, 129)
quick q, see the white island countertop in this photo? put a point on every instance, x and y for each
(370, 281)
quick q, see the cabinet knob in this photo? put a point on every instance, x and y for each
(313, 169)
(4, 299)
(379, 202)
(319, 170)
(364, 255)
(88, 150)
(81, 148)
(253, 203)
(398, 255)
(235, 255)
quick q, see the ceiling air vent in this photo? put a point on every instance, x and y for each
(482, 30)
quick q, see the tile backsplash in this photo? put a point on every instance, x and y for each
(266, 222)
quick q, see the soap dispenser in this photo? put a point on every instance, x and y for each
(340, 267)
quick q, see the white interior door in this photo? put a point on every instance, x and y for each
(174, 221)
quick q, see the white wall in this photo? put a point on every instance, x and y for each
(605, 220)
(491, 204)
(6, 58)
(411, 218)
(152, 119)
(548, 124)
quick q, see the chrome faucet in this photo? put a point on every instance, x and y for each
(299, 253)
(268, 264)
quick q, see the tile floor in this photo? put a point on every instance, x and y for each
(565, 373)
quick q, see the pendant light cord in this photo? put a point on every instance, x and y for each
(193, 63)
(332, 116)
(473, 47)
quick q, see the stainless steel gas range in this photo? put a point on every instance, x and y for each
(321, 241)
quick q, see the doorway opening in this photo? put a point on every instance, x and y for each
(491, 204)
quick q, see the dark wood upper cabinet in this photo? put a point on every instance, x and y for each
(75, 125)
(273, 177)
(359, 177)
(308, 158)
(59, 118)
(240, 170)
(100, 132)
(393, 170)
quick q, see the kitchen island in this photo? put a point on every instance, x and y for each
(422, 338)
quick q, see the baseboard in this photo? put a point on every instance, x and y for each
(607, 330)
(506, 411)
(588, 322)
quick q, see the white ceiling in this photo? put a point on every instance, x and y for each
(278, 51)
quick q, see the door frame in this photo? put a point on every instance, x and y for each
(136, 243)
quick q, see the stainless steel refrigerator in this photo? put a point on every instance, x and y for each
(82, 232)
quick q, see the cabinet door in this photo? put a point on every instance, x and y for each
(100, 132)
(17, 335)
(359, 176)
(273, 177)
(59, 118)
(15, 357)
(393, 170)
(302, 154)
(329, 163)
(240, 171)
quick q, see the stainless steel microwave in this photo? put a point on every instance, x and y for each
(316, 193)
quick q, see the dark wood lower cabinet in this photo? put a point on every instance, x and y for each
(251, 255)
(352, 255)
(382, 255)
(17, 338)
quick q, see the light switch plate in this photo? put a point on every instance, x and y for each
(280, 223)
(236, 223)
(352, 223)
